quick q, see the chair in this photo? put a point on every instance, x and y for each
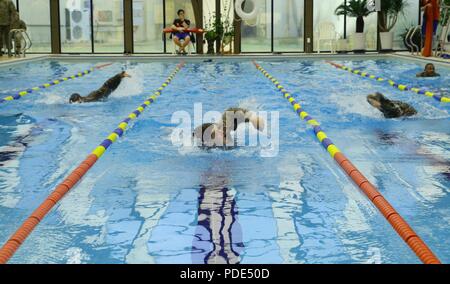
(327, 33)
(188, 48)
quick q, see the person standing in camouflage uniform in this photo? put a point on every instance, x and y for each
(7, 9)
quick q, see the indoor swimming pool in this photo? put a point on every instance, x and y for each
(151, 200)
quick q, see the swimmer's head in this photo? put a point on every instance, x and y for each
(75, 98)
(125, 74)
(376, 100)
(257, 122)
(430, 69)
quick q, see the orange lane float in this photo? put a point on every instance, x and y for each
(416, 244)
(19, 237)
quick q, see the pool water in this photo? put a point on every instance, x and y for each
(150, 201)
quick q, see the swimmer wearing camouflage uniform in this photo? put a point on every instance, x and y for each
(218, 134)
(390, 109)
(103, 93)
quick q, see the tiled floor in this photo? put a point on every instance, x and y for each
(6, 58)
(436, 59)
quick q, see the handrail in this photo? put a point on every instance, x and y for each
(28, 44)
(392, 216)
(19, 237)
(401, 87)
(20, 94)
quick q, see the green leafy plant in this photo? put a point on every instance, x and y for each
(210, 35)
(227, 25)
(214, 28)
(356, 9)
(390, 9)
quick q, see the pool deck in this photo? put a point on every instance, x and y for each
(5, 60)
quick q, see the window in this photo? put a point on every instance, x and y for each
(256, 34)
(227, 13)
(36, 14)
(148, 25)
(325, 14)
(209, 13)
(406, 20)
(108, 26)
(172, 7)
(288, 25)
(75, 26)
(370, 29)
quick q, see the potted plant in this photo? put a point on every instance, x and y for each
(211, 34)
(213, 31)
(390, 9)
(356, 9)
(341, 45)
(228, 34)
(210, 37)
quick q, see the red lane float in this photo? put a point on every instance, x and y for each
(194, 30)
(103, 66)
(408, 235)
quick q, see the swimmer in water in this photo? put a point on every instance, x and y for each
(430, 71)
(219, 134)
(103, 93)
(390, 109)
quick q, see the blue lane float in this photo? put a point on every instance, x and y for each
(400, 87)
(411, 238)
(24, 231)
(23, 93)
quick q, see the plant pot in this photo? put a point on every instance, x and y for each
(342, 46)
(359, 42)
(227, 39)
(211, 46)
(387, 40)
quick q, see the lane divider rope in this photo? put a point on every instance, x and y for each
(23, 93)
(401, 87)
(392, 216)
(19, 237)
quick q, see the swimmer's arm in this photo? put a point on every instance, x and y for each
(97, 95)
(421, 74)
(113, 82)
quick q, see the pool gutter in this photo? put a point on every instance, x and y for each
(228, 58)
